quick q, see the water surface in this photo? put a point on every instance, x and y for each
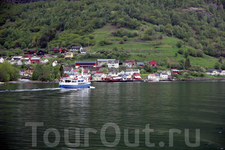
(164, 106)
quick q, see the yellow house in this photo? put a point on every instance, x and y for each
(69, 55)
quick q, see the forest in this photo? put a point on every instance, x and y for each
(60, 23)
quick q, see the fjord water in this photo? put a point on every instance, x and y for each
(164, 106)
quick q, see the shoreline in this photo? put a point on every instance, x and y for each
(200, 79)
(174, 80)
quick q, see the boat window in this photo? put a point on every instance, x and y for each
(74, 81)
(67, 81)
(61, 81)
(78, 80)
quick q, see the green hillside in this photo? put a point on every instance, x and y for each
(133, 29)
(146, 50)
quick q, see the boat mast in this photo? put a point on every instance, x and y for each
(82, 71)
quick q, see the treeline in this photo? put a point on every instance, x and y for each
(45, 72)
(8, 72)
(62, 23)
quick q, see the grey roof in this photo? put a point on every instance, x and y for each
(85, 62)
(31, 50)
(113, 61)
(129, 70)
(35, 58)
(83, 50)
(67, 69)
(209, 71)
(8, 58)
(219, 71)
(164, 74)
(140, 63)
(156, 74)
(113, 70)
(105, 60)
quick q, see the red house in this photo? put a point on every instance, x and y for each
(131, 61)
(35, 60)
(175, 71)
(32, 51)
(153, 63)
(56, 50)
(85, 64)
(27, 56)
(64, 50)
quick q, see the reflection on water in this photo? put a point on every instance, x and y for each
(179, 105)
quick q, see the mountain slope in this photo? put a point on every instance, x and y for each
(46, 24)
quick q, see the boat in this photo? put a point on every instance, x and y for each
(79, 81)
(137, 77)
(115, 79)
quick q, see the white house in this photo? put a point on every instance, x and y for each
(98, 76)
(130, 71)
(17, 58)
(151, 77)
(22, 72)
(113, 63)
(157, 76)
(68, 70)
(9, 59)
(129, 64)
(44, 61)
(19, 63)
(167, 71)
(100, 62)
(163, 76)
(12, 62)
(27, 61)
(75, 48)
(1, 60)
(136, 70)
(221, 72)
(83, 51)
(211, 72)
(54, 63)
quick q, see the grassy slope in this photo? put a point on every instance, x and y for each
(165, 51)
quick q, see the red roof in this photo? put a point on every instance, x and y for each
(131, 61)
(26, 56)
(153, 62)
(108, 77)
(99, 72)
(136, 74)
(86, 70)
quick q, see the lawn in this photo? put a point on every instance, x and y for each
(146, 50)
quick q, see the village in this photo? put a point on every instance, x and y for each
(100, 70)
